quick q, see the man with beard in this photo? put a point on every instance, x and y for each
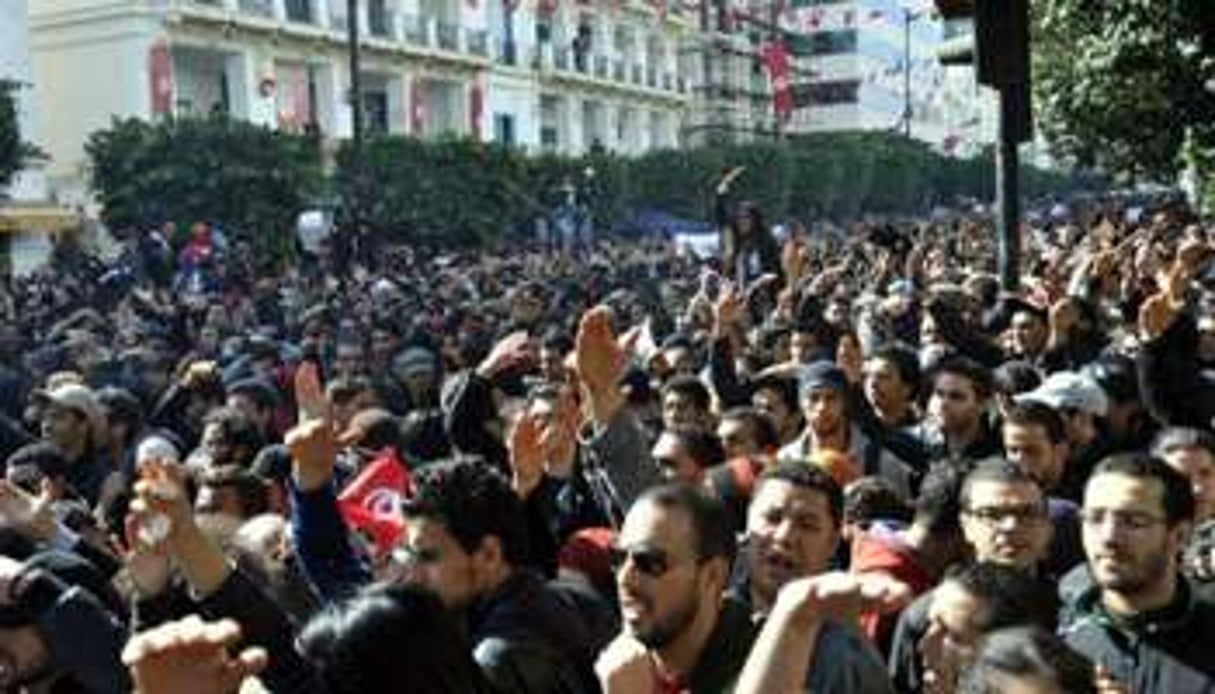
(1140, 621)
(793, 530)
(680, 635)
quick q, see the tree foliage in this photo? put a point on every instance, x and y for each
(14, 152)
(466, 193)
(1117, 84)
(252, 180)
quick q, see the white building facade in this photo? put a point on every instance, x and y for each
(16, 65)
(561, 78)
(873, 65)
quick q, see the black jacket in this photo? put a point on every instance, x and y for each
(1168, 650)
(1173, 386)
(528, 640)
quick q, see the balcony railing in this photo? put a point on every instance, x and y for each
(561, 58)
(478, 41)
(618, 69)
(651, 77)
(601, 66)
(636, 73)
(668, 81)
(448, 35)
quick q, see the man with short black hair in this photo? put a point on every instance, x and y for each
(793, 530)
(1140, 620)
(673, 557)
(685, 452)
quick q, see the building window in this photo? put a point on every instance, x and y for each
(377, 18)
(827, 93)
(375, 111)
(299, 10)
(504, 129)
(823, 43)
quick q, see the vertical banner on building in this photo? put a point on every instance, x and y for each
(417, 106)
(160, 74)
(776, 59)
(476, 108)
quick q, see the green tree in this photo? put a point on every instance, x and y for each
(1118, 83)
(14, 153)
(252, 180)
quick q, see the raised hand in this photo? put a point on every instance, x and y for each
(29, 515)
(309, 397)
(526, 454)
(729, 308)
(625, 667)
(1156, 315)
(190, 656)
(840, 595)
(510, 350)
(313, 445)
(598, 359)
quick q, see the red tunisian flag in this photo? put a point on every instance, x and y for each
(372, 502)
(776, 59)
(160, 73)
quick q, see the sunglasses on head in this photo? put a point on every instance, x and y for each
(651, 562)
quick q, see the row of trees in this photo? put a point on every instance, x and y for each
(255, 181)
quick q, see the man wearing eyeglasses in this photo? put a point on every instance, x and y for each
(1004, 521)
(1140, 621)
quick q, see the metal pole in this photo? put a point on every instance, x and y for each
(708, 32)
(356, 90)
(1008, 193)
(907, 72)
(355, 232)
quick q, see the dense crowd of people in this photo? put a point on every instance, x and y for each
(828, 462)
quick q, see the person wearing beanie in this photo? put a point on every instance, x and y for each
(829, 426)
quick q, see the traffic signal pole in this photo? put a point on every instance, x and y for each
(1008, 200)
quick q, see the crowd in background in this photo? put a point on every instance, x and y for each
(829, 462)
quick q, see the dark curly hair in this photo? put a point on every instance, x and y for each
(472, 500)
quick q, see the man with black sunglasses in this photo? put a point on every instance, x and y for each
(672, 562)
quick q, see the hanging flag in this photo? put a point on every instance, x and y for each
(372, 502)
(417, 106)
(160, 73)
(776, 59)
(476, 105)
